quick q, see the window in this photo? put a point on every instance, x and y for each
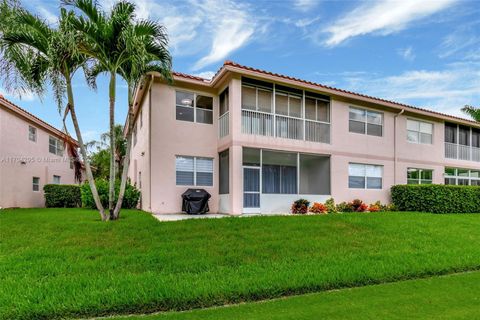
(317, 110)
(223, 171)
(288, 103)
(279, 172)
(56, 179)
(255, 98)
(224, 101)
(419, 176)
(140, 179)
(134, 135)
(194, 171)
(462, 177)
(450, 133)
(314, 174)
(55, 146)
(32, 133)
(141, 118)
(364, 176)
(419, 131)
(194, 107)
(36, 184)
(365, 122)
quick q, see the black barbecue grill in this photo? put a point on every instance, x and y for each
(195, 201)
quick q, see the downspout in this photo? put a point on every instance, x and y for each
(150, 87)
(395, 146)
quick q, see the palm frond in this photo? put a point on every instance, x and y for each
(473, 112)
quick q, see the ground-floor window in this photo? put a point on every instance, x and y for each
(194, 171)
(56, 179)
(462, 177)
(364, 176)
(36, 184)
(419, 176)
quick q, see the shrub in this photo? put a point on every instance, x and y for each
(436, 198)
(374, 207)
(318, 208)
(130, 200)
(300, 206)
(359, 206)
(62, 196)
(344, 207)
(330, 204)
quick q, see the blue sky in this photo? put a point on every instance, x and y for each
(425, 53)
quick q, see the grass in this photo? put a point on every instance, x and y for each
(58, 263)
(447, 297)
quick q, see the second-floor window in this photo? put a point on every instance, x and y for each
(56, 179)
(364, 176)
(419, 176)
(365, 122)
(32, 133)
(55, 146)
(194, 107)
(419, 131)
(224, 102)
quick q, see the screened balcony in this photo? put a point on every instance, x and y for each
(462, 142)
(277, 111)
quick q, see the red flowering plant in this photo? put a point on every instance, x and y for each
(318, 208)
(359, 206)
(374, 207)
(300, 206)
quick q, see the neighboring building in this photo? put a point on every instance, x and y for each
(257, 141)
(31, 155)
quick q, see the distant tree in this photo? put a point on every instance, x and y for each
(473, 112)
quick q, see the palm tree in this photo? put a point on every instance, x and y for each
(150, 42)
(126, 47)
(473, 112)
(33, 55)
(103, 39)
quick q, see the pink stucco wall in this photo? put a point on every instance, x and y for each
(15, 177)
(170, 137)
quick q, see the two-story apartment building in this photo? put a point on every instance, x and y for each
(257, 141)
(31, 155)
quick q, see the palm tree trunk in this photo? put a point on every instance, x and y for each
(83, 151)
(111, 192)
(126, 162)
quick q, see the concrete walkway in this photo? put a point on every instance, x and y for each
(184, 216)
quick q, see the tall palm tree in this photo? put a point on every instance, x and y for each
(150, 54)
(473, 112)
(103, 39)
(34, 55)
(137, 48)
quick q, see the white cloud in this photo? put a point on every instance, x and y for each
(47, 15)
(461, 40)
(382, 17)
(232, 27)
(302, 23)
(304, 5)
(444, 90)
(206, 74)
(407, 53)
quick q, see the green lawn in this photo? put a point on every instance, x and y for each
(446, 297)
(66, 263)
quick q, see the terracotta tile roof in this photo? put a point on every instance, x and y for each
(189, 76)
(15, 108)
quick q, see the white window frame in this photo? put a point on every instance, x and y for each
(58, 146)
(419, 132)
(34, 134)
(365, 123)
(194, 107)
(195, 171)
(59, 179)
(36, 184)
(366, 176)
(420, 180)
(457, 177)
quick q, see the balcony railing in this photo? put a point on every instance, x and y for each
(461, 152)
(280, 126)
(223, 125)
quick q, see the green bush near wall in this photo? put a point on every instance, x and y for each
(130, 200)
(437, 198)
(62, 196)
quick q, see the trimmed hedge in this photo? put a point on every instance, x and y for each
(437, 198)
(62, 196)
(130, 200)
